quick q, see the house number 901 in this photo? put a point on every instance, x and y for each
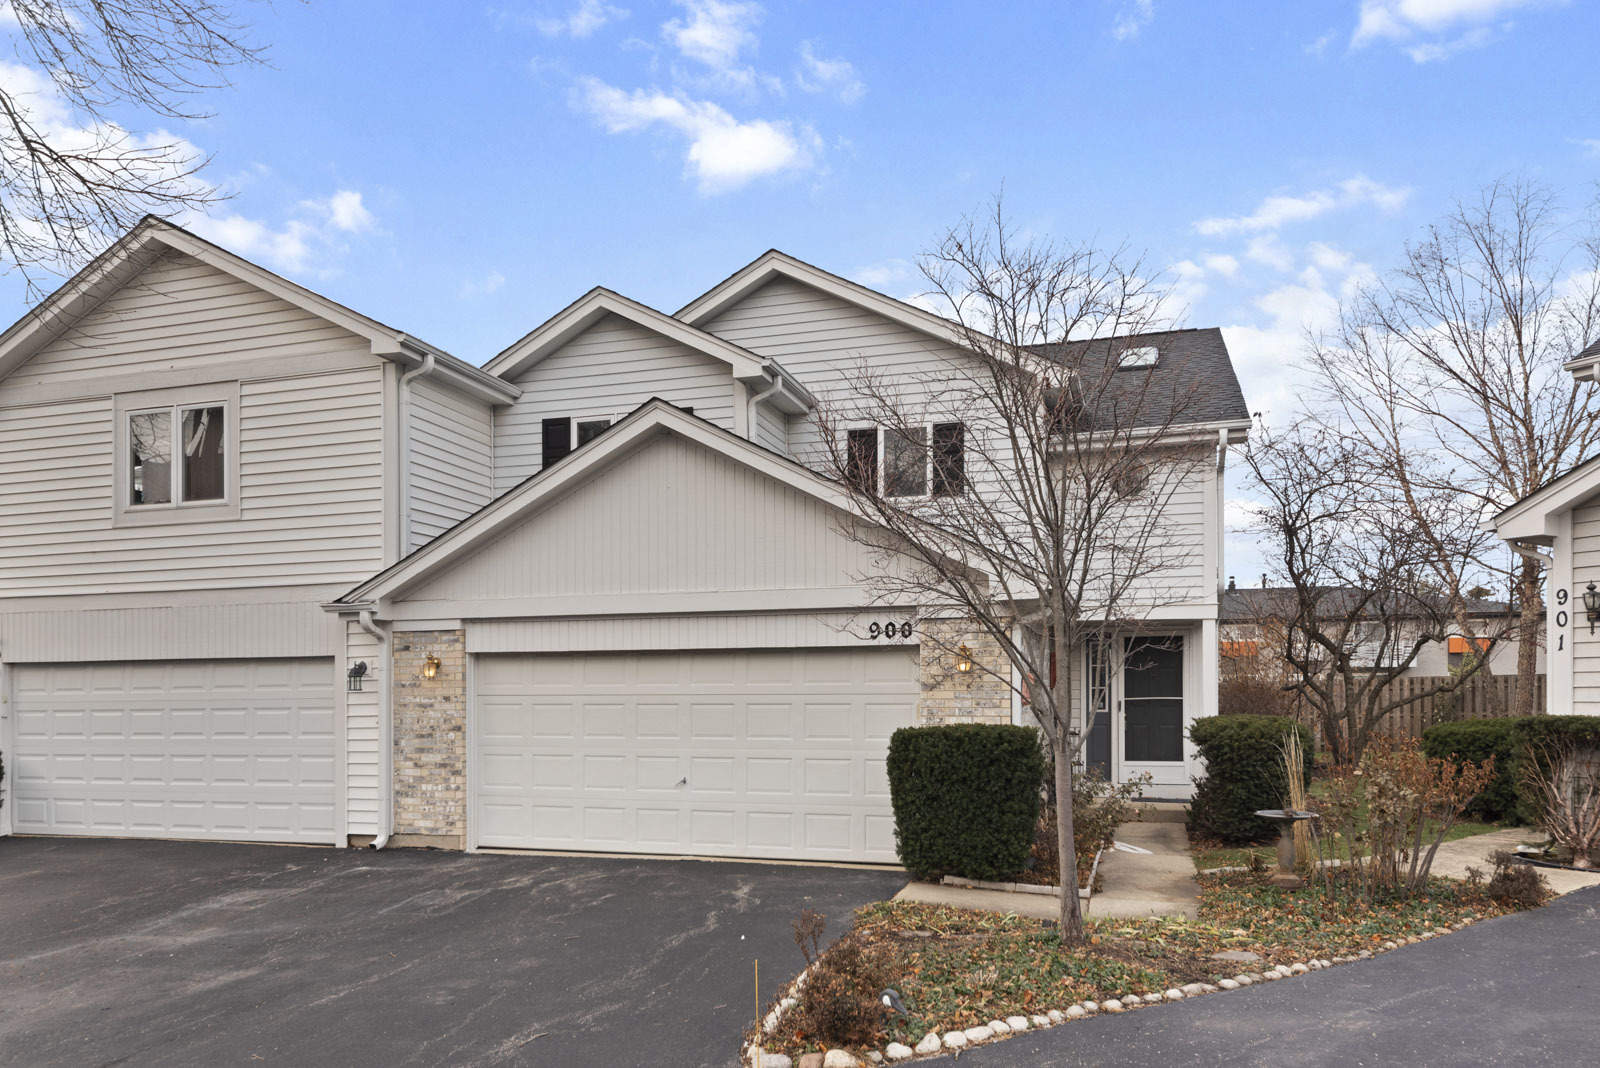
(890, 630)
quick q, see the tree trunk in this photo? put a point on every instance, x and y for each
(1071, 914)
(1528, 639)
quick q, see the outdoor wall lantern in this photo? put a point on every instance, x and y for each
(430, 666)
(353, 677)
(1591, 604)
(963, 659)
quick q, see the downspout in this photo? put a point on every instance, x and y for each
(386, 748)
(750, 414)
(1529, 553)
(422, 370)
(1222, 497)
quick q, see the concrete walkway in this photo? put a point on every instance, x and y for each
(1158, 883)
(1454, 858)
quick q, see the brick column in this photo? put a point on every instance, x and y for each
(430, 740)
(950, 696)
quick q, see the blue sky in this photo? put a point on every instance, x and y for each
(463, 171)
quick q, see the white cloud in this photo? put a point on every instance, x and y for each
(724, 153)
(1590, 145)
(1276, 212)
(1269, 250)
(1224, 265)
(345, 211)
(296, 245)
(885, 273)
(1431, 30)
(1133, 17)
(482, 287)
(834, 76)
(582, 20)
(1320, 45)
(715, 32)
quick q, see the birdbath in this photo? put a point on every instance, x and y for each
(1286, 818)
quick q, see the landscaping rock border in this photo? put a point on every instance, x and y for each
(936, 1042)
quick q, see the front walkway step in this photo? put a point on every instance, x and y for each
(1160, 812)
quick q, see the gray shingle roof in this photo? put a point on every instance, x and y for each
(1193, 373)
(1592, 350)
(1278, 602)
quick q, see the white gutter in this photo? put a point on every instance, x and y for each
(386, 749)
(422, 370)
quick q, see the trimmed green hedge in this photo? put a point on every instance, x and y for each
(1552, 731)
(1244, 774)
(966, 798)
(1477, 740)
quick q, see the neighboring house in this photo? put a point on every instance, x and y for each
(1559, 524)
(274, 571)
(1253, 627)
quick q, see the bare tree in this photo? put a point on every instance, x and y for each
(1035, 513)
(73, 177)
(1357, 569)
(1448, 373)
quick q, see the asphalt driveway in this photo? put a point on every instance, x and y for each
(1520, 990)
(135, 953)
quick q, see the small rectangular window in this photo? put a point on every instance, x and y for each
(556, 440)
(1141, 356)
(949, 459)
(150, 448)
(205, 473)
(590, 429)
(905, 462)
(861, 461)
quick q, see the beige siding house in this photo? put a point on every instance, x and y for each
(270, 570)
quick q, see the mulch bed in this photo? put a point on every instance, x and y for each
(958, 968)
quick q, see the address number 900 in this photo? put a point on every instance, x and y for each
(891, 630)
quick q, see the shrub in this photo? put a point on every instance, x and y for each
(1514, 884)
(1244, 773)
(1558, 771)
(1098, 809)
(966, 798)
(839, 1004)
(1474, 741)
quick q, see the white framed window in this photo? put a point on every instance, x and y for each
(177, 455)
(919, 461)
(563, 435)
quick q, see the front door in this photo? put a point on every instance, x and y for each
(1151, 738)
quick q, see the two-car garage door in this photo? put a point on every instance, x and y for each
(732, 753)
(213, 749)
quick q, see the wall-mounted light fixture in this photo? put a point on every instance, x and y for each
(963, 659)
(353, 677)
(1591, 604)
(430, 666)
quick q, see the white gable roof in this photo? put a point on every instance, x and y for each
(152, 238)
(599, 302)
(773, 264)
(1533, 517)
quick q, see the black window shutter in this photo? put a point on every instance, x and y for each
(557, 439)
(861, 461)
(949, 459)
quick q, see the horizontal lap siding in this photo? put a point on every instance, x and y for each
(310, 450)
(772, 429)
(1585, 569)
(452, 459)
(673, 516)
(609, 370)
(173, 632)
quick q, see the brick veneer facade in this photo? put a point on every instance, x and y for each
(950, 696)
(430, 740)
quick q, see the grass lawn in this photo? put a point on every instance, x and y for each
(1208, 857)
(956, 968)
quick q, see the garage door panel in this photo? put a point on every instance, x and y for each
(757, 754)
(201, 749)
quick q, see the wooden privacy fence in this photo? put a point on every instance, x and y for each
(1481, 697)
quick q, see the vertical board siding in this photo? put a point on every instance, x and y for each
(745, 630)
(607, 371)
(1585, 569)
(451, 459)
(671, 516)
(363, 734)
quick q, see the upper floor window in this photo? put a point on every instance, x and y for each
(916, 461)
(562, 435)
(178, 455)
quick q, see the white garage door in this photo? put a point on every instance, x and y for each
(222, 749)
(748, 754)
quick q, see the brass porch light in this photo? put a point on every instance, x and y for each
(430, 666)
(963, 659)
(1591, 605)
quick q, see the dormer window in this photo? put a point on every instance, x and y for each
(1142, 356)
(177, 455)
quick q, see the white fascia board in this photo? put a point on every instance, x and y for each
(584, 312)
(1584, 370)
(1536, 515)
(774, 264)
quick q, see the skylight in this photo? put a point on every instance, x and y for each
(1143, 356)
